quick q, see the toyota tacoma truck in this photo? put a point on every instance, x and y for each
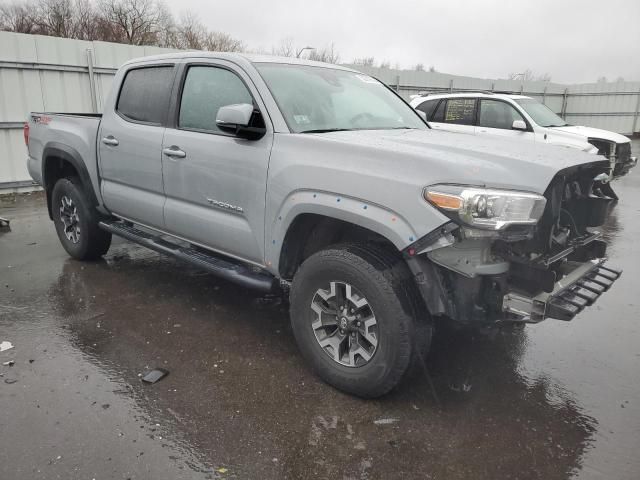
(321, 182)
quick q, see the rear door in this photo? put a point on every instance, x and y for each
(459, 115)
(455, 115)
(215, 182)
(496, 117)
(129, 145)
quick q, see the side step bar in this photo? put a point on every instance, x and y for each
(224, 267)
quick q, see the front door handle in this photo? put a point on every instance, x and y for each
(110, 140)
(174, 151)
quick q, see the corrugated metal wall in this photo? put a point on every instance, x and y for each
(40, 73)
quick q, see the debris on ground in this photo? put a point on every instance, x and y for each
(385, 421)
(9, 381)
(154, 375)
(10, 363)
(4, 222)
(5, 346)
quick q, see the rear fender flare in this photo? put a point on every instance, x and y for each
(55, 150)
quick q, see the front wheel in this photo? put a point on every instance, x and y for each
(76, 221)
(353, 312)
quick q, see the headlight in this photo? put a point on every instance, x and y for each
(486, 208)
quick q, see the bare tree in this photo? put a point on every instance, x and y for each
(285, 48)
(55, 18)
(385, 64)
(529, 76)
(17, 17)
(419, 67)
(327, 54)
(223, 42)
(86, 20)
(191, 32)
(432, 69)
(137, 22)
(364, 61)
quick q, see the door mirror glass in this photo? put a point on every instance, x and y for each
(242, 120)
(233, 116)
(519, 125)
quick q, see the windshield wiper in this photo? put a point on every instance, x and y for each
(325, 130)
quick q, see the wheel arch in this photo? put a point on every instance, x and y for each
(304, 227)
(60, 161)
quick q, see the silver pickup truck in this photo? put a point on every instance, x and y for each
(319, 181)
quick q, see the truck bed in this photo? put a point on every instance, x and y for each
(72, 134)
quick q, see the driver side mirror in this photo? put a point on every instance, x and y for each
(238, 119)
(519, 125)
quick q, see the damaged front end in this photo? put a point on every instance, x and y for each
(513, 256)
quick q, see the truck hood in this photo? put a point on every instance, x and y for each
(458, 158)
(588, 132)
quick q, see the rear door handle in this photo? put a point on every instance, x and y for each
(174, 151)
(110, 140)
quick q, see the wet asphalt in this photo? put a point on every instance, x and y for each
(549, 401)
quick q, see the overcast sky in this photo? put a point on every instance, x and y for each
(572, 40)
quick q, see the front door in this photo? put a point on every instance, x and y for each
(215, 182)
(496, 118)
(129, 143)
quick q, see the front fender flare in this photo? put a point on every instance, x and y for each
(376, 218)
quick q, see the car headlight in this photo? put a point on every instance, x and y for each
(486, 208)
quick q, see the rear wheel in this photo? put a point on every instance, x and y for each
(76, 221)
(353, 313)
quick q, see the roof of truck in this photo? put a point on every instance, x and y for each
(237, 57)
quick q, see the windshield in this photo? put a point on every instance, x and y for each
(318, 99)
(540, 113)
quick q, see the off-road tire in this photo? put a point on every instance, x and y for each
(385, 281)
(92, 242)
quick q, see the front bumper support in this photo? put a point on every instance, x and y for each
(581, 286)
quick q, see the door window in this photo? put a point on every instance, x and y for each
(428, 107)
(460, 111)
(145, 93)
(497, 114)
(206, 89)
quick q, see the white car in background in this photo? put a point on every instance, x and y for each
(519, 116)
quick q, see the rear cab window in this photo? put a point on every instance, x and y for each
(460, 111)
(145, 94)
